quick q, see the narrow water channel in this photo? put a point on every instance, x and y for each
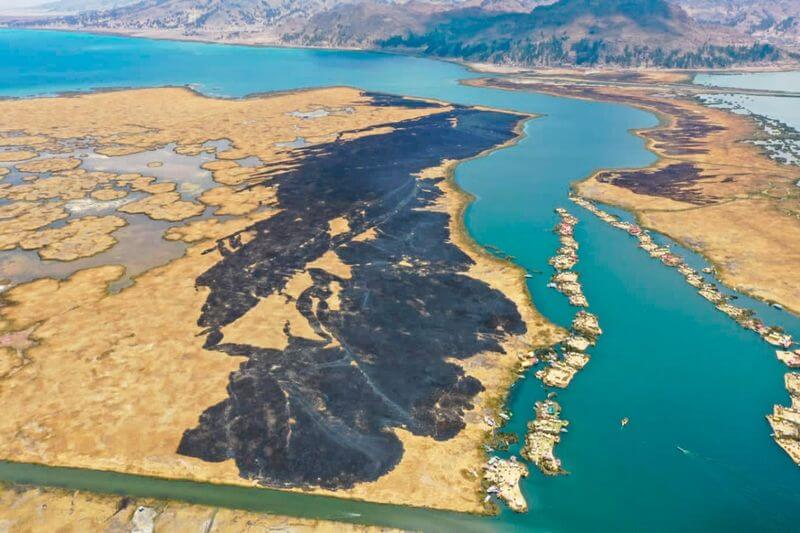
(697, 453)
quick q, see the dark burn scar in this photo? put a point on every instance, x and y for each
(676, 181)
(321, 412)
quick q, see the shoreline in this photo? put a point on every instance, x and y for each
(654, 204)
(455, 201)
(562, 184)
(471, 66)
(194, 492)
(494, 399)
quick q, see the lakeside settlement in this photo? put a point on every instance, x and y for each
(562, 362)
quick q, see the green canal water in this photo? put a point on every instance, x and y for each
(696, 455)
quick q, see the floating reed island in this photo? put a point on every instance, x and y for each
(564, 360)
(565, 280)
(543, 435)
(774, 335)
(561, 363)
(789, 358)
(502, 477)
(785, 421)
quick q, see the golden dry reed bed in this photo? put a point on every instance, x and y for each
(110, 381)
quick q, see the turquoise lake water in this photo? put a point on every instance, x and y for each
(696, 455)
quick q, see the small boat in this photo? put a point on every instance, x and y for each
(624, 422)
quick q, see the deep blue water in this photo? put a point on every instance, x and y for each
(686, 376)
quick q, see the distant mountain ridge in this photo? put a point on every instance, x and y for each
(628, 33)
(325, 22)
(775, 21)
(519, 32)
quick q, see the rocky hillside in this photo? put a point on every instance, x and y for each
(76, 6)
(348, 23)
(586, 32)
(211, 18)
(774, 21)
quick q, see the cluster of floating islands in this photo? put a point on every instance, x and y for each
(785, 421)
(568, 358)
(502, 476)
(566, 281)
(745, 317)
(562, 362)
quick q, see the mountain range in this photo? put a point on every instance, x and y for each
(588, 32)
(774, 21)
(688, 33)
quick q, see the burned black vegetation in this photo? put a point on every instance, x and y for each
(321, 412)
(676, 181)
(686, 135)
